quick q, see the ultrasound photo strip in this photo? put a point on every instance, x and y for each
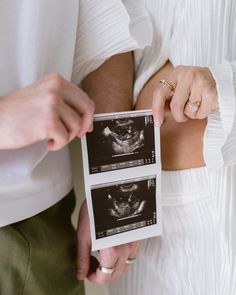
(122, 176)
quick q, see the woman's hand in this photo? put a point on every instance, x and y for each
(191, 92)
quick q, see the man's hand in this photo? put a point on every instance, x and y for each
(51, 109)
(116, 257)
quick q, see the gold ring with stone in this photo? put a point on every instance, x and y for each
(194, 106)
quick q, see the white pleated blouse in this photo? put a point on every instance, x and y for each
(71, 38)
(202, 33)
(198, 33)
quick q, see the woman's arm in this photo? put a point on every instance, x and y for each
(111, 85)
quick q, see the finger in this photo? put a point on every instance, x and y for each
(87, 122)
(161, 94)
(191, 108)
(91, 128)
(195, 99)
(135, 249)
(82, 104)
(58, 136)
(83, 257)
(126, 251)
(178, 101)
(74, 97)
(133, 254)
(71, 120)
(83, 244)
(121, 266)
(108, 259)
(207, 106)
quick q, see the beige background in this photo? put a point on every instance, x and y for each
(91, 289)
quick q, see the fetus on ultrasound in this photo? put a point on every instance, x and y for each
(123, 136)
(126, 201)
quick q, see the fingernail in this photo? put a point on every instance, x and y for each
(91, 128)
(158, 122)
(80, 134)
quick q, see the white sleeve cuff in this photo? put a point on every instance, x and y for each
(107, 28)
(220, 122)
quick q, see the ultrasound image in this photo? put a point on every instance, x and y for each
(121, 143)
(125, 206)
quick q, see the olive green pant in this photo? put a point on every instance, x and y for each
(38, 255)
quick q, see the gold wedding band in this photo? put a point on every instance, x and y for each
(194, 106)
(130, 261)
(106, 270)
(168, 84)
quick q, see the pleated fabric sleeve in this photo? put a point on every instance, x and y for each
(220, 135)
(107, 28)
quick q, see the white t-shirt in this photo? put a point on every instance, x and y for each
(71, 38)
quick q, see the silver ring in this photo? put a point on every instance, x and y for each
(130, 261)
(106, 270)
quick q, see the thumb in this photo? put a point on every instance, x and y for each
(83, 244)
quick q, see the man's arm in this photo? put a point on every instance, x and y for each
(111, 88)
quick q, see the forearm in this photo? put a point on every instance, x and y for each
(111, 85)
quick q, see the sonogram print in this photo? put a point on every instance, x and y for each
(121, 143)
(124, 206)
